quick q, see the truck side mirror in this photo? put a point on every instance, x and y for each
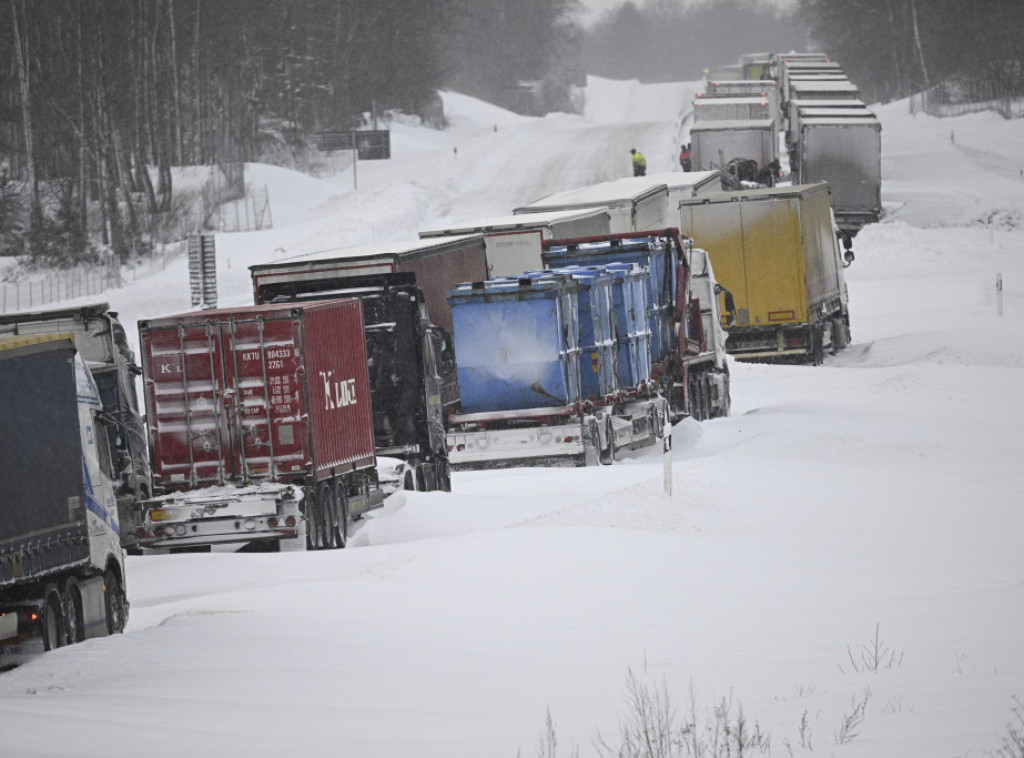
(848, 246)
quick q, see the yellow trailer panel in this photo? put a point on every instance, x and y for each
(775, 249)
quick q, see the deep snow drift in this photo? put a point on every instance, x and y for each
(840, 559)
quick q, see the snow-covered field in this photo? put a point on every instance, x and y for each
(841, 560)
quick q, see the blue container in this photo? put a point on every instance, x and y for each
(517, 342)
(597, 338)
(652, 253)
(632, 332)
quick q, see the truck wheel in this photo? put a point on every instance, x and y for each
(705, 392)
(314, 521)
(74, 611)
(54, 627)
(114, 602)
(444, 475)
(341, 518)
(817, 349)
(429, 477)
(608, 453)
(409, 481)
(328, 504)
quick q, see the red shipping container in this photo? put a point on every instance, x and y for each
(258, 393)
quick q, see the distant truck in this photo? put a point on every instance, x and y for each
(102, 344)
(717, 143)
(776, 250)
(765, 89)
(413, 380)
(62, 574)
(634, 202)
(844, 149)
(261, 428)
(513, 242)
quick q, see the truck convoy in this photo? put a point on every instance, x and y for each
(61, 562)
(591, 356)
(260, 427)
(102, 344)
(776, 250)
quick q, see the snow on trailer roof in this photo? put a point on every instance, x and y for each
(781, 190)
(617, 192)
(695, 181)
(821, 85)
(840, 121)
(721, 102)
(823, 102)
(859, 112)
(512, 222)
(731, 124)
(379, 249)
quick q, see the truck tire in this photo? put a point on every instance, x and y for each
(341, 527)
(74, 611)
(314, 520)
(444, 474)
(329, 506)
(817, 346)
(54, 622)
(608, 453)
(114, 602)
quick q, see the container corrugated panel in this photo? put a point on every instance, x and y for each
(265, 392)
(516, 343)
(632, 333)
(597, 338)
(42, 493)
(650, 253)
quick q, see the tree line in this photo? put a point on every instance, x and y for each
(894, 48)
(100, 98)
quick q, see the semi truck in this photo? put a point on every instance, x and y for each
(539, 357)
(717, 143)
(845, 150)
(777, 252)
(102, 344)
(413, 383)
(513, 242)
(260, 427)
(62, 577)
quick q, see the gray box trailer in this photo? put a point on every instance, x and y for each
(793, 108)
(633, 203)
(846, 152)
(514, 242)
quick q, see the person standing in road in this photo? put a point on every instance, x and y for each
(639, 163)
(684, 157)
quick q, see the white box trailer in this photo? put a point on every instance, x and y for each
(793, 108)
(817, 89)
(795, 69)
(514, 242)
(846, 152)
(715, 143)
(767, 89)
(685, 184)
(732, 108)
(633, 203)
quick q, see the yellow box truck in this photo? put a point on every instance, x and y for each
(777, 254)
